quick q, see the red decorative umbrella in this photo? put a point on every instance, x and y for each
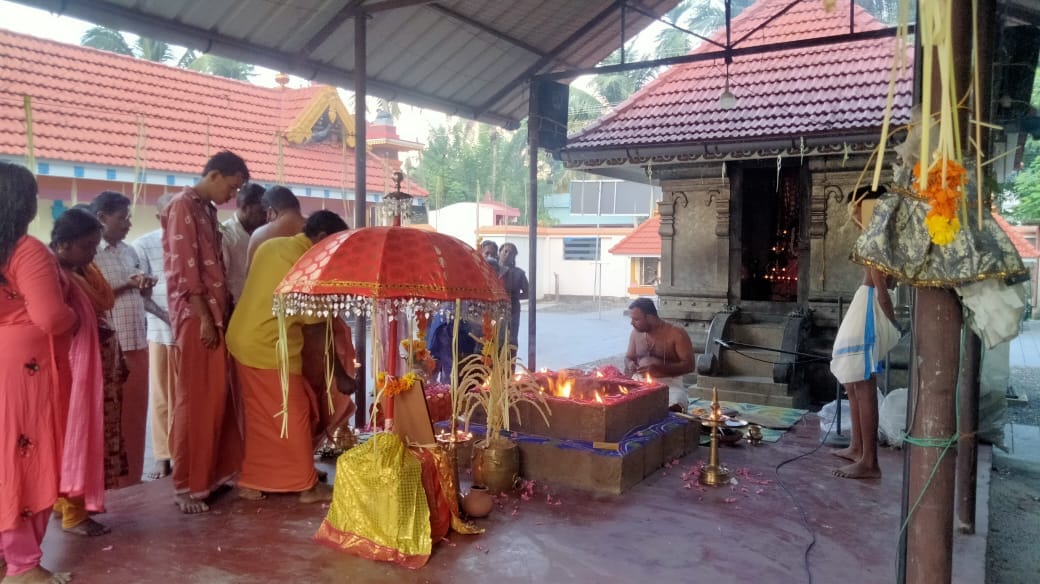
(396, 269)
(404, 266)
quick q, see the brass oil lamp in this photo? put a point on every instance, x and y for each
(714, 474)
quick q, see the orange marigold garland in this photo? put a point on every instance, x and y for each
(392, 386)
(944, 193)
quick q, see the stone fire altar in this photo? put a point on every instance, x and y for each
(606, 433)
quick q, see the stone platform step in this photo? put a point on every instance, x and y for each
(748, 362)
(745, 389)
(603, 467)
(763, 334)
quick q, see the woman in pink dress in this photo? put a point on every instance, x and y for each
(35, 324)
(94, 456)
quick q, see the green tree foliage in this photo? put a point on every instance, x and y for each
(465, 159)
(112, 40)
(152, 50)
(1027, 189)
(221, 67)
(106, 39)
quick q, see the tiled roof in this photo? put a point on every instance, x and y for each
(1025, 249)
(644, 241)
(836, 90)
(91, 106)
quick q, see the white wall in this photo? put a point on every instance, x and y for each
(576, 278)
(460, 220)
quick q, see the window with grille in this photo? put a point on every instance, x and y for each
(648, 270)
(581, 248)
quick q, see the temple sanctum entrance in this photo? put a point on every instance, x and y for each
(770, 233)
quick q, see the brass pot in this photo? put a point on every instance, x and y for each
(497, 467)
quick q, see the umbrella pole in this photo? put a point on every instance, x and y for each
(391, 366)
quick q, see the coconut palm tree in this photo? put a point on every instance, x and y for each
(110, 39)
(152, 50)
(221, 67)
(106, 39)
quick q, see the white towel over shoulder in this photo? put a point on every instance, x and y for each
(864, 338)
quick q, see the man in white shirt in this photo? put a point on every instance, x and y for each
(161, 371)
(122, 269)
(236, 231)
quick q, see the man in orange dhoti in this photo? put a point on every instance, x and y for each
(204, 438)
(274, 463)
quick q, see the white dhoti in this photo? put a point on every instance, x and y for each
(677, 393)
(864, 339)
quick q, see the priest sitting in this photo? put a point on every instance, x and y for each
(659, 349)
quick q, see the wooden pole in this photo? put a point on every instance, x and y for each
(968, 439)
(533, 122)
(360, 197)
(937, 321)
(937, 329)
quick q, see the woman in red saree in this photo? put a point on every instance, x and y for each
(94, 455)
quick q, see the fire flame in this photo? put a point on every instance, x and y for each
(564, 389)
(623, 389)
(649, 379)
(599, 374)
(599, 398)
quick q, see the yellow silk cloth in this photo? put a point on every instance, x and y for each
(379, 509)
(252, 334)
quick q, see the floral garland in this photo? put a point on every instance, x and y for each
(392, 386)
(415, 351)
(944, 192)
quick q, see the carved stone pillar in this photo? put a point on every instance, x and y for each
(667, 207)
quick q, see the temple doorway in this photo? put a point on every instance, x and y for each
(769, 234)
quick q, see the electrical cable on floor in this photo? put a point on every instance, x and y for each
(790, 495)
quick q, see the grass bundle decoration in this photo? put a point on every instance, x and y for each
(487, 381)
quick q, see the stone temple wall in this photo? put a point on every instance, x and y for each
(696, 245)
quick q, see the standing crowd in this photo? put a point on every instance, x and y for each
(100, 339)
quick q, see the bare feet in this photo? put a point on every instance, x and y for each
(88, 528)
(38, 575)
(250, 494)
(319, 493)
(190, 506)
(161, 469)
(849, 454)
(858, 470)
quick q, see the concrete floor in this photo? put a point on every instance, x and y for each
(666, 529)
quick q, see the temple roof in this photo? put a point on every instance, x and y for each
(1025, 249)
(644, 241)
(96, 107)
(838, 91)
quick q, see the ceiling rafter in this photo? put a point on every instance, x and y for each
(471, 22)
(548, 57)
(185, 35)
(330, 27)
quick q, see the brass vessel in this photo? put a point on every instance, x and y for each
(496, 466)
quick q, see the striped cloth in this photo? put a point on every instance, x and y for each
(864, 339)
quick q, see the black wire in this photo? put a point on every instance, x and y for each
(801, 510)
(819, 359)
